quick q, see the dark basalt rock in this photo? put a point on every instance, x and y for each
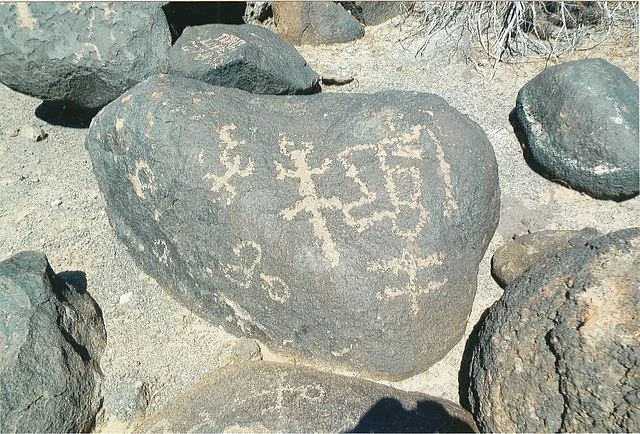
(342, 228)
(514, 258)
(82, 54)
(247, 57)
(52, 338)
(579, 124)
(559, 351)
(275, 397)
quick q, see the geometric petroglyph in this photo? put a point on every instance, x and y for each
(290, 394)
(142, 179)
(402, 184)
(242, 271)
(410, 265)
(450, 204)
(310, 202)
(211, 50)
(234, 165)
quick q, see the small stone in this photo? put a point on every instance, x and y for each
(33, 133)
(125, 298)
(56, 203)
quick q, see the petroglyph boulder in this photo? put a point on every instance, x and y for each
(86, 54)
(248, 57)
(514, 258)
(274, 397)
(559, 351)
(52, 337)
(580, 127)
(315, 22)
(345, 229)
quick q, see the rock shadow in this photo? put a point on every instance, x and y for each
(389, 415)
(184, 14)
(64, 114)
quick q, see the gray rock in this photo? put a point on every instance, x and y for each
(341, 228)
(274, 397)
(257, 13)
(52, 337)
(514, 258)
(315, 23)
(244, 56)
(559, 351)
(85, 54)
(580, 125)
(372, 13)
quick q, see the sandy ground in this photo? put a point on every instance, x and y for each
(50, 202)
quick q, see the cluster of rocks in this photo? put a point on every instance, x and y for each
(345, 230)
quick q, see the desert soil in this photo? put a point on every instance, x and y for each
(50, 202)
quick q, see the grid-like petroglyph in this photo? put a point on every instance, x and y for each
(242, 271)
(234, 163)
(410, 265)
(211, 50)
(310, 202)
(407, 147)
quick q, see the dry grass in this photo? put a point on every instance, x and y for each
(510, 31)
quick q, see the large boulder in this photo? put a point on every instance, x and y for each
(248, 57)
(85, 54)
(579, 121)
(52, 337)
(345, 229)
(559, 351)
(315, 22)
(275, 397)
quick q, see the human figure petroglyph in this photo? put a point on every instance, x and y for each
(211, 49)
(234, 164)
(310, 202)
(409, 264)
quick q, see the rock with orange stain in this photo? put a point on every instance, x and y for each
(560, 351)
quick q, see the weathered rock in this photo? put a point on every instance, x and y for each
(372, 13)
(86, 54)
(244, 56)
(52, 338)
(315, 23)
(513, 259)
(275, 397)
(559, 351)
(258, 13)
(341, 228)
(580, 125)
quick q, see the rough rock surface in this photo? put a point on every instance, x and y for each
(52, 337)
(259, 14)
(372, 13)
(559, 351)
(315, 23)
(247, 57)
(341, 228)
(86, 54)
(183, 14)
(580, 125)
(514, 258)
(275, 397)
